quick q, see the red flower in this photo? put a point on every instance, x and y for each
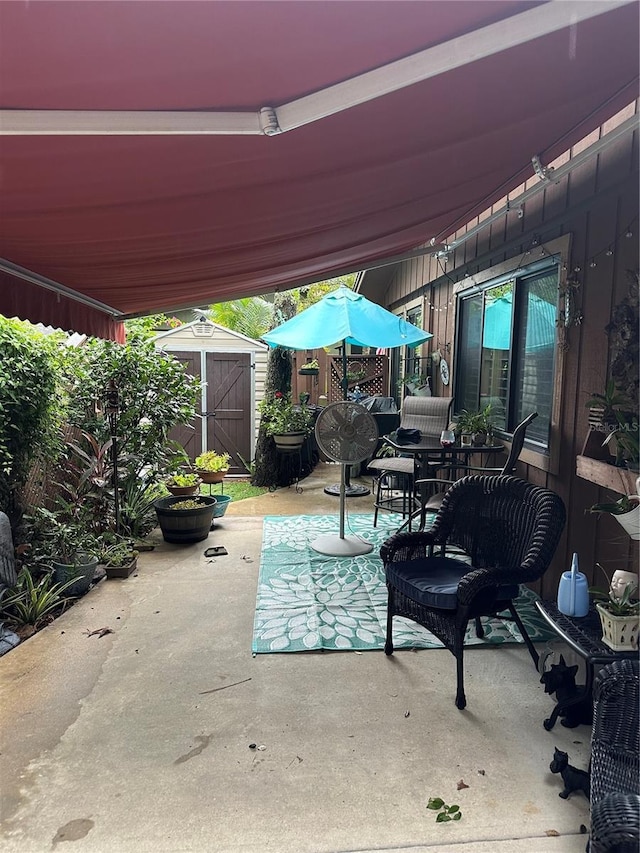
(278, 395)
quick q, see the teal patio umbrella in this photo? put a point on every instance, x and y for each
(345, 317)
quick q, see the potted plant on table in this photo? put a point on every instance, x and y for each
(619, 610)
(289, 425)
(183, 484)
(474, 427)
(212, 467)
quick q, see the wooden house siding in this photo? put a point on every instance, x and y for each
(595, 207)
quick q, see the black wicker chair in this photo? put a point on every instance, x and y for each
(508, 528)
(615, 776)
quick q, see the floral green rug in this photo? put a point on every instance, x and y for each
(307, 601)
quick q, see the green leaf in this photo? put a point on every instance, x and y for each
(442, 817)
(457, 816)
(435, 803)
(453, 809)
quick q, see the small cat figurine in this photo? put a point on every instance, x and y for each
(561, 680)
(573, 778)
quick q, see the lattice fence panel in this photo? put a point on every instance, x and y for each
(369, 372)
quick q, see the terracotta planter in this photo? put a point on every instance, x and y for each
(620, 633)
(183, 491)
(211, 476)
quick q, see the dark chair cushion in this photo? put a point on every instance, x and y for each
(434, 582)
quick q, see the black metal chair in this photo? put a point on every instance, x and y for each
(615, 775)
(508, 528)
(429, 415)
(434, 502)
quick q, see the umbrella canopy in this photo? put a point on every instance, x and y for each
(541, 324)
(343, 315)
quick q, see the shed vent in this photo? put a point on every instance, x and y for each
(203, 330)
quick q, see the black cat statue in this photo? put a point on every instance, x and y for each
(573, 778)
(573, 709)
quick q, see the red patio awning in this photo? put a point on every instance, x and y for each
(150, 222)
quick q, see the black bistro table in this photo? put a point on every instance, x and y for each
(430, 456)
(584, 635)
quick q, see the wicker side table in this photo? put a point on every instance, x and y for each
(584, 636)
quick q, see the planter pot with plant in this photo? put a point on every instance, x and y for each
(310, 368)
(289, 425)
(72, 550)
(626, 511)
(119, 560)
(476, 425)
(212, 467)
(185, 520)
(416, 384)
(619, 611)
(181, 485)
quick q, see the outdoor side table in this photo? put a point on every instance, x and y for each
(584, 636)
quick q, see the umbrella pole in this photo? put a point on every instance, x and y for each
(344, 487)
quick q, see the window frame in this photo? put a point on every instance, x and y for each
(519, 267)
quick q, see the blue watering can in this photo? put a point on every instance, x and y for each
(573, 592)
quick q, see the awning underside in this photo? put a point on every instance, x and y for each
(156, 222)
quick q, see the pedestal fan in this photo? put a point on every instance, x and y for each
(347, 433)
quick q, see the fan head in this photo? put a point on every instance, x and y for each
(346, 432)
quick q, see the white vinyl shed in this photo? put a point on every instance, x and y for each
(232, 368)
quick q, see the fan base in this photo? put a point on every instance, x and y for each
(350, 491)
(334, 546)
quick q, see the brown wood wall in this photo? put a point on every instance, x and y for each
(595, 204)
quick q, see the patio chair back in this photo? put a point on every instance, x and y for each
(517, 443)
(428, 414)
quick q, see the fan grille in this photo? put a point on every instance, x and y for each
(346, 432)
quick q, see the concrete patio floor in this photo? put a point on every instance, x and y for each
(126, 743)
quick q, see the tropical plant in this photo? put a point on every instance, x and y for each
(212, 461)
(279, 415)
(355, 371)
(473, 422)
(137, 495)
(84, 481)
(413, 382)
(251, 316)
(30, 602)
(187, 503)
(625, 436)
(62, 538)
(609, 403)
(156, 394)
(623, 505)
(267, 471)
(119, 553)
(310, 365)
